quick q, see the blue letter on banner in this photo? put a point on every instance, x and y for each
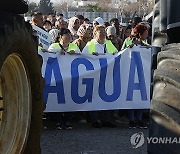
(136, 62)
(116, 80)
(53, 66)
(75, 81)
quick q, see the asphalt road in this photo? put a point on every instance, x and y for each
(83, 139)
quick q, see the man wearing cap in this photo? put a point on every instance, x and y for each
(111, 35)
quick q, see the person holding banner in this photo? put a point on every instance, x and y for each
(63, 43)
(140, 34)
(97, 46)
(85, 34)
(111, 35)
(63, 46)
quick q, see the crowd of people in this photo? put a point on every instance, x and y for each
(79, 34)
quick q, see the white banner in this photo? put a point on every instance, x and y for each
(87, 82)
(44, 37)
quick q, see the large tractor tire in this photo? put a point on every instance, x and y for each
(21, 84)
(165, 105)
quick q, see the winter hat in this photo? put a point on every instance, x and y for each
(111, 30)
(83, 29)
(54, 34)
(99, 20)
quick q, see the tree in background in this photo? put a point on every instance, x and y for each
(144, 7)
(98, 6)
(129, 9)
(94, 8)
(126, 9)
(62, 7)
(45, 7)
(31, 8)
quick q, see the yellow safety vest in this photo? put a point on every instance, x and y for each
(126, 43)
(129, 42)
(72, 46)
(109, 46)
(39, 47)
